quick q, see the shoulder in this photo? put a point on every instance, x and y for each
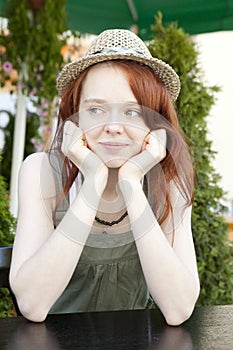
(33, 161)
(36, 174)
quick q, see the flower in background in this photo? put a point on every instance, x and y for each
(7, 67)
(20, 86)
(2, 50)
(41, 68)
(37, 144)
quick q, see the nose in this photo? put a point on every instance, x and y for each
(113, 128)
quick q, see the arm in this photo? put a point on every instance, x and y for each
(170, 272)
(43, 258)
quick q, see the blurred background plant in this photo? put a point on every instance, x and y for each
(30, 53)
(210, 230)
(30, 59)
(7, 229)
(32, 140)
(31, 45)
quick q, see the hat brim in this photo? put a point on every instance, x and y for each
(163, 70)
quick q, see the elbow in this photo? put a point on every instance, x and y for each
(31, 310)
(180, 314)
(176, 318)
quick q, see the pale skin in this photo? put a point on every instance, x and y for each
(114, 149)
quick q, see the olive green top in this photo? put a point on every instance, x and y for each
(108, 275)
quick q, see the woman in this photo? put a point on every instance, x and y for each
(118, 166)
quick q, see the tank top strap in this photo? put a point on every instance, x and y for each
(62, 200)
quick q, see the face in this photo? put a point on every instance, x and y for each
(110, 116)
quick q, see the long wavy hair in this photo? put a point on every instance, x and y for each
(158, 112)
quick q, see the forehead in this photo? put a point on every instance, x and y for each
(108, 82)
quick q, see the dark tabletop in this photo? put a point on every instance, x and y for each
(209, 328)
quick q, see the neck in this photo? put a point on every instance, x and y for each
(112, 197)
(111, 191)
(112, 207)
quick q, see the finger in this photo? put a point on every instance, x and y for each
(157, 143)
(74, 146)
(72, 130)
(146, 141)
(153, 153)
(71, 135)
(157, 136)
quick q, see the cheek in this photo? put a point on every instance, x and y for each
(89, 127)
(138, 135)
(91, 137)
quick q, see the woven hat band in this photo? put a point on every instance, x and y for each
(118, 50)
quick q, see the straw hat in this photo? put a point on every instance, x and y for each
(115, 44)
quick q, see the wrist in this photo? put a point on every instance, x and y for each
(129, 188)
(95, 183)
(130, 174)
(91, 192)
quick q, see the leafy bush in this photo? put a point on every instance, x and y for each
(7, 221)
(7, 227)
(32, 46)
(214, 252)
(30, 61)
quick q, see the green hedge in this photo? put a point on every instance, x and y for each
(214, 251)
(7, 227)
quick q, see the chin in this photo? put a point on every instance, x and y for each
(114, 163)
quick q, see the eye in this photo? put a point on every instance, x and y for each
(133, 113)
(96, 111)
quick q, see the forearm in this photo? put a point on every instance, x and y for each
(173, 287)
(40, 280)
(44, 276)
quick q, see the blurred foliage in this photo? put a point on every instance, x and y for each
(31, 139)
(7, 228)
(7, 221)
(32, 46)
(30, 60)
(214, 251)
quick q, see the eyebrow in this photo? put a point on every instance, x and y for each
(101, 100)
(95, 100)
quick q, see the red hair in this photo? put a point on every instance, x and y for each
(159, 112)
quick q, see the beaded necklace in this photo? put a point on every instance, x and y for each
(111, 223)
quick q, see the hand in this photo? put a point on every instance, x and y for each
(74, 146)
(153, 152)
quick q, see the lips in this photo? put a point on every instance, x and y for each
(114, 146)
